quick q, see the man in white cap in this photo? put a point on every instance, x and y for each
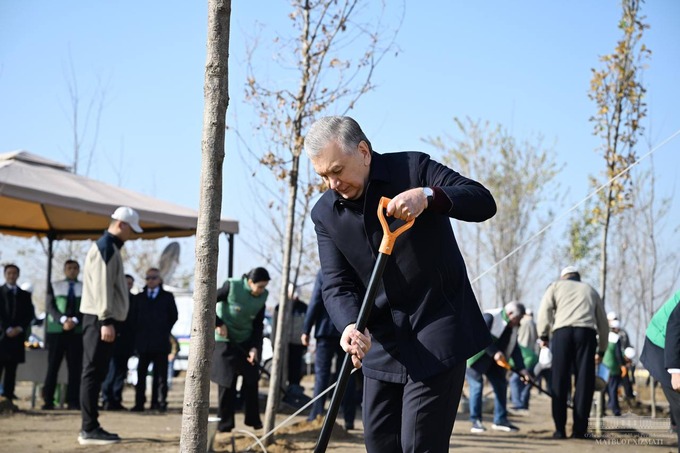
(570, 318)
(104, 304)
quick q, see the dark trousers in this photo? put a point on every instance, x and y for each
(159, 391)
(10, 378)
(326, 349)
(416, 416)
(613, 394)
(60, 345)
(673, 398)
(251, 402)
(573, 349)
(295, 353)
(96, 356)
(112, 388)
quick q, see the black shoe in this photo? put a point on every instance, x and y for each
(349, 426)
(97, 436)
(114, 407)
(47, 407)
(137, 409)
(559, 435)
(257, 425)
(73, 407)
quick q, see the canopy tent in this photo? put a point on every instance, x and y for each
(40, 197)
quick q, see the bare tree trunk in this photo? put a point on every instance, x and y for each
(603, 247)
(280, 340)
(216, 96)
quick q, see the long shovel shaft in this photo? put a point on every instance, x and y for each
(347, 366)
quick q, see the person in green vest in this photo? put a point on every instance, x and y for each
(64, 336)
(238, 341)
(661, 353)
(613, 360)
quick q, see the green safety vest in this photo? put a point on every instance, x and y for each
(656, 331)
(239, 311)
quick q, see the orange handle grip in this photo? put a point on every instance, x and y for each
(389, 237)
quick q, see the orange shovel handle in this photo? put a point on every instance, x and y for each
(389, 237)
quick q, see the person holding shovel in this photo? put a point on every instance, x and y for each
(426, 321)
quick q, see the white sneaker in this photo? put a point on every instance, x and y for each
(477, 427)
(505, 426)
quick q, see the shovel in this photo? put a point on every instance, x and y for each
(386, 247)
(504, 364)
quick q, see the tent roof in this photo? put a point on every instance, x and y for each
(42, 197)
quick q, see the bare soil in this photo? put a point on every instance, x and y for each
(33, 430)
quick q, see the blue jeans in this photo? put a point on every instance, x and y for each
(496, 377)
(519, 392)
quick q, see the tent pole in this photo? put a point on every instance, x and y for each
(48, 290)
(230, 268)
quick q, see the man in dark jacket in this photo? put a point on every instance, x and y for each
(426, 321)
(493, 362)
(123, 349)
(327, 347)
(16, 314)
(156, 313)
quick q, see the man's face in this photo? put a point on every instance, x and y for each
(153, 279)
(11, 275)
(515, 320)
(71, 271)
(347, 174)
(130, 283)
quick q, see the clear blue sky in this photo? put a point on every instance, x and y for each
(524, 64)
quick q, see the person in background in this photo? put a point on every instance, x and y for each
(16, 314)
(613, 360)
(155, 314)
(238, 341)
(661, 353)
(296, 349)
(492, 362)
(527, 339)
(64, 336)
(172, 355)
(327, 347)
(123, 349)
(104, 305)
(627, 375)
(572, 321)
(426, 320)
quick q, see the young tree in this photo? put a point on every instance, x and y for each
(520, 175)
(327, 75)
(618, 93)
(216, 96)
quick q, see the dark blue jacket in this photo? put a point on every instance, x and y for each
(426, 319)
(317, 316)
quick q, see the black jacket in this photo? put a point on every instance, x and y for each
(153, 321)
(317, 316)
(15, 311)
(426, 319)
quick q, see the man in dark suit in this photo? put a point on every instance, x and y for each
(426, 321)
(16, 314)
(156, 313)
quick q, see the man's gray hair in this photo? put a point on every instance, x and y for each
(515, 308)
(341, 129)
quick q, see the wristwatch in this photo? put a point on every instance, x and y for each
(429, 193)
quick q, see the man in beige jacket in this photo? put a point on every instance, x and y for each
(573, 321)
(104, 303)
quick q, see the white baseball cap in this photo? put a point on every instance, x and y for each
(129, 216)
(568, 270)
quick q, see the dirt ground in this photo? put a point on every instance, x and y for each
(34, 430)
